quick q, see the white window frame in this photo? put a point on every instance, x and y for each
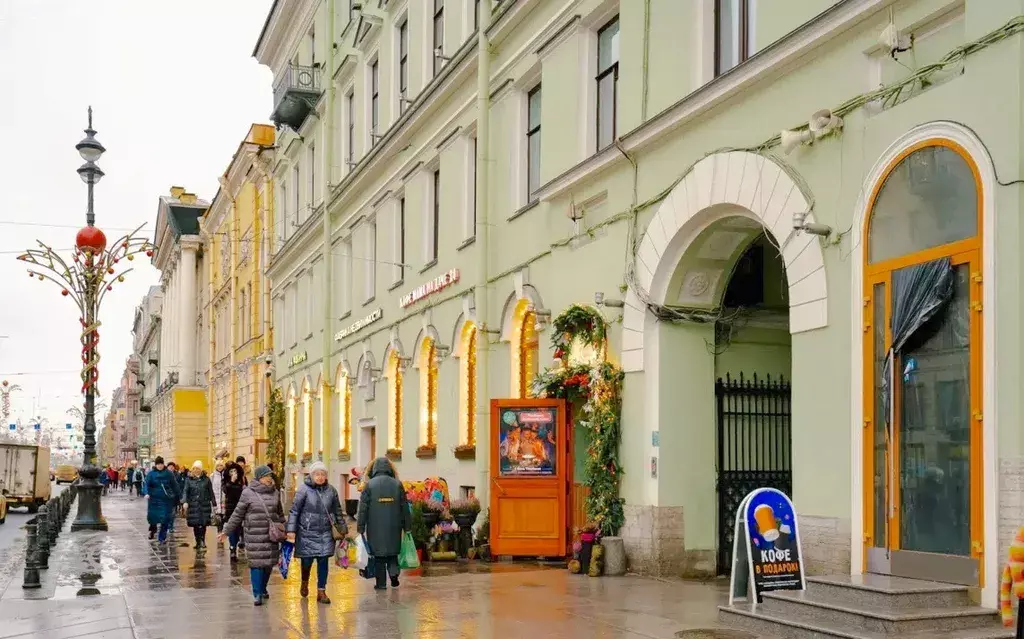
(311, 157)
(349, 134)
(434, 66)
(469, 192)
(281, 223)
(593, 23)
(310, 300)
(316, 286)
(296, 196)
(347, 279)
(292, 302)
(431, 252)
(402, 21)
(370, 270)
(518, 194)
(400, 236)
(372, 58)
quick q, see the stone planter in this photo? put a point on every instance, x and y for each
(430, 518)
(614, 556)
(465, 520)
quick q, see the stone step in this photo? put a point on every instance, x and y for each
(882, 592)
(816, 607)
(767, 624)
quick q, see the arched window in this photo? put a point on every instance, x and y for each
(292, 425)
(394, 402)
(467, 387)
(525, 349)
(344, 394)
(308, 407)
(922, 355)
(428, 395)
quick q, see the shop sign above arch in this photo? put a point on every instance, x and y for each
(717, 187)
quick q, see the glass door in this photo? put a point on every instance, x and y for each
(925, 442)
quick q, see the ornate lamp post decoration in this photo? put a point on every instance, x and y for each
(6, 388)
(93, 270)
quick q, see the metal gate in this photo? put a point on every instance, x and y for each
(753, 448)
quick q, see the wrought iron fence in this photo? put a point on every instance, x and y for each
(298, 77)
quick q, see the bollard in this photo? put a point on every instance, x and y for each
(31, 579)
(43, 538)
(54, 512)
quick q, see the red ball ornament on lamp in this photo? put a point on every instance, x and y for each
(91, 240)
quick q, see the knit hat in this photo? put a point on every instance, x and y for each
(197, 464)
(263, 471)
(158, 460)
(317, 466)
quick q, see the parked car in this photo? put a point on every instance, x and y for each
(66, 474)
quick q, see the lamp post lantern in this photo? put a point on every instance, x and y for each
(93, 270)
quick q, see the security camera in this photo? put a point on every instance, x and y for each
(269, 361)
(269, 372)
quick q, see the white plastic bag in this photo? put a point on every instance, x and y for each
(362, 556)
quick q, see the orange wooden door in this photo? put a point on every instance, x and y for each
(528, 474)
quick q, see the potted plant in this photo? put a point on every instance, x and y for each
(483, 539)
(307, 457)
(444, 533)
(432, 511)
(589, 536)
(465, 511)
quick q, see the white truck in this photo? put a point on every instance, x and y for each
(25, 475)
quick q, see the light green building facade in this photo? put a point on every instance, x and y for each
(536, 209)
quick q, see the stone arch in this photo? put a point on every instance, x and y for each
(291, 393)
(759, 194)
(342, 371)
(508, 312)
(427, 332)
(365, 368)
(393, 346)
(462, 324)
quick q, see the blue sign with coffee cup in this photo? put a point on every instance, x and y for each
(767, 521)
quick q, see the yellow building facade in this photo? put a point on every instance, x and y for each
(236, 236)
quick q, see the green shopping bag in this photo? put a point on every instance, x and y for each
(407, 558)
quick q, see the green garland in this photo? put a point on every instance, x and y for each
(275, 430)
(599, 389)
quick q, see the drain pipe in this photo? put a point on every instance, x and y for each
(483, 155)
(328, 144)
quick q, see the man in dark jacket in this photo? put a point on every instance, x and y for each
(162, 490)
(383, 515)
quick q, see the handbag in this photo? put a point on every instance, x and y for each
(336, 534)
(275, 529)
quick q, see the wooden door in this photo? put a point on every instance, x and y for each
(528, 475)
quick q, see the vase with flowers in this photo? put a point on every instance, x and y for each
(432, 512)
(465, 511)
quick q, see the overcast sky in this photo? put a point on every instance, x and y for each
(174, 89)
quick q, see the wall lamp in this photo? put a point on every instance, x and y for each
(800, 223)
(600, 300)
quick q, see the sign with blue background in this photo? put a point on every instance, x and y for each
(767, 521)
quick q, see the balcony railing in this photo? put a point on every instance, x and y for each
(296, 94)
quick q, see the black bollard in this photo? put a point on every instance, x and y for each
(31, 579)
(54, 512)
(43, 538)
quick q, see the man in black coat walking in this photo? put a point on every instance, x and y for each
(383, 516)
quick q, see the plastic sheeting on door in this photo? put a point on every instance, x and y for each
(919, 293)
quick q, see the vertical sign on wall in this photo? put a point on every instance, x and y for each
(766, 546)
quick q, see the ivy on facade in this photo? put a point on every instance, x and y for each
(596, 388)
(275, 429)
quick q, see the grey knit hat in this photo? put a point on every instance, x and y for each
(263, 471)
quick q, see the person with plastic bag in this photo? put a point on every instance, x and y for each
(382, 518)
(259, 514)
(314, 524)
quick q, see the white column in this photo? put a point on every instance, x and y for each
(166, 290)
(171, 317)
(188, 305)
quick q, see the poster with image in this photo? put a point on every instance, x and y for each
(773, 542)
(527, 442)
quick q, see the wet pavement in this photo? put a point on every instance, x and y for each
(121, 585)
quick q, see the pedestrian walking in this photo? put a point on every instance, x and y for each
(181, 476)
(234, 484)
(240, 462)
(313, 523)
(383, 516)
(218, 490)
(162, 491)
(173, 467)
(259, 510)
(122, 478)
(199, 502)
(104, 481)
(112, 475)
(137, 477)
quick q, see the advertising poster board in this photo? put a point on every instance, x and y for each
(527, 442)
(766, 553)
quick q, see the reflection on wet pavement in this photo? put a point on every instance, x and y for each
(120, 584)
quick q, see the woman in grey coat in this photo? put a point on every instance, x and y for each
(315, 512)
(383, 515)
(258, 508)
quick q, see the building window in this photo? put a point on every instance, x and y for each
(312, 173)
(293, 308)
(436, 218)
(308, 410)
(472, 186)
(525, 350)
(371, 260)
(607, 82)
(428, 394)
(467, 391)
(350, 143)
(401, 238)
(394, 402)
(403, 65)
(346, 279)
(438, 41)
(533, 101)
(374, 101)
(296, 190)
(312, 48)
(476, 15)
(292, 425)
(734, 35)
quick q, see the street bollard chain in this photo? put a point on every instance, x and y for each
(31, 579)
(53, 510)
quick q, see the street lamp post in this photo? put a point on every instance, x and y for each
(92, 272)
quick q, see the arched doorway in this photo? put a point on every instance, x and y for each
(923, 388)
